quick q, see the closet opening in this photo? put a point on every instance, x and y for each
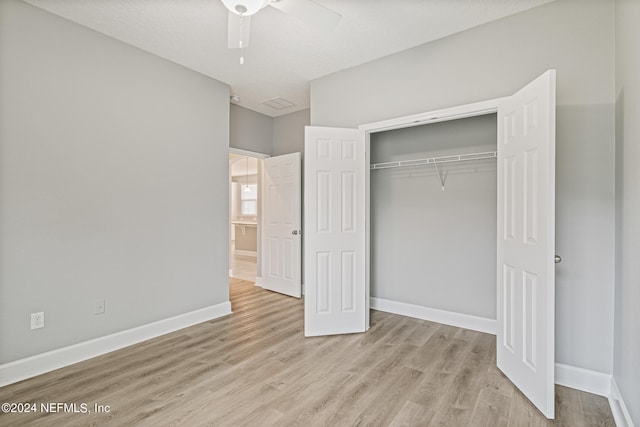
(433, 216)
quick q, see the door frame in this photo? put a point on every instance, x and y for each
(446, 114)
(259, 156)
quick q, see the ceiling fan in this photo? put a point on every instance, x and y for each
(307, 11)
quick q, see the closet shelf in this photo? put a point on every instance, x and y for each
(436, 160)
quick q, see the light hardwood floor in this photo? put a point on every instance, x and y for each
(243, 267)
(255, 368)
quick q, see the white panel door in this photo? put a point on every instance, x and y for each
(281, 237)
(334, 224)
(526, 240)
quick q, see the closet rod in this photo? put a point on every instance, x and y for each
(435, 160)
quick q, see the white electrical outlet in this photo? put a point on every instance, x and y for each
(37, 320)
(98, 307)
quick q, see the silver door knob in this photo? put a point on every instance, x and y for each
(294, 232)
(557, 259)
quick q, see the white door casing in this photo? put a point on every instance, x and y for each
(526, 240)
(334, 240)
(282, 225)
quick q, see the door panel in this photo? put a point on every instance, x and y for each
(526, 240)
(334, 244)
(282, 218)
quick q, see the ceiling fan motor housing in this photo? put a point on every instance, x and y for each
(245, 7)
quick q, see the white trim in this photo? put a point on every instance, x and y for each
(248, 153)
(583, 379)
(230, 273)
(246, 253)
(619, 409)
(460, 320)
(259, 281)
(39, 364)
(453, 113)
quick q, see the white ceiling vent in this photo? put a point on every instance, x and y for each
(278, 103)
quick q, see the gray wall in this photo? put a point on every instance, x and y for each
(627, 320)
(113, 184)
(422, 236)
(288, 132)
(495, 60)
(267, 135)
(250, 131)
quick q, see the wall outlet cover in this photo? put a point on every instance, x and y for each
(37, 320)
(99, 307)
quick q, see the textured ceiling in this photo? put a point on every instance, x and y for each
(284, 55)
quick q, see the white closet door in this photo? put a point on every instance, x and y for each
(334, 225)
(526, 241)
(281, 225)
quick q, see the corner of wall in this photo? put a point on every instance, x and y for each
(619, 409)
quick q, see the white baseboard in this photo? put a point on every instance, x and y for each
(39, 364)
(259, 281)
(583, 379)
(619, 409)
(230, 273)
(460, 320)
(242, 252)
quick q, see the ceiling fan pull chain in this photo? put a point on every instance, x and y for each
(240, 42)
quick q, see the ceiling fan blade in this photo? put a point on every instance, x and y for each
(309, 12)
(238, 30)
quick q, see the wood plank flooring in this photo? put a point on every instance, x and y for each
(243, 267)
(255, 368)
